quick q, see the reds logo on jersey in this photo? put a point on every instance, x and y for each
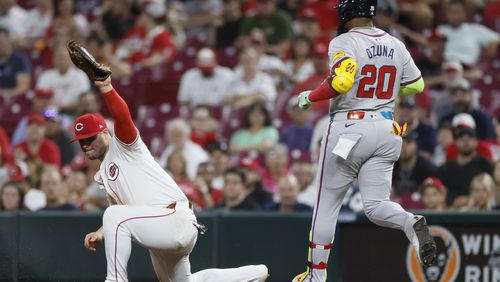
(112, 171)
(448, 258)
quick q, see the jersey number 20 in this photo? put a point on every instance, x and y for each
(382, 87)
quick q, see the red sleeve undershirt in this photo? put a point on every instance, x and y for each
(323, 92)
(124, 126)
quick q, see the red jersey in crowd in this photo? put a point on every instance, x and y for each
(48, 152)
(139, 44)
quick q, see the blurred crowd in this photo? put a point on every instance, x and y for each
(212, 86)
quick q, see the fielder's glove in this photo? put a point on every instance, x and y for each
(398, 129)
(303, 100)
(87, 63)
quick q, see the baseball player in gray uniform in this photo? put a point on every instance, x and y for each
(369, 69)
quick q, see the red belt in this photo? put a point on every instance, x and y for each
(355, 115)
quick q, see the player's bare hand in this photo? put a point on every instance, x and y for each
(92, 240)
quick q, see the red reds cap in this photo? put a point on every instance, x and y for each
(44, 93)
(16, 172)
(36, 118)
(250, 164)
(308, 14)
(435, 182)
(87, 126)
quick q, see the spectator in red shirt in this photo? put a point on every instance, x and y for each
(148, 43)
(276, 167)
(211, 196)
(5, 154)
(36, 145)
(203, 126)
(325, 13)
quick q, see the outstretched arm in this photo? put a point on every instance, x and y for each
(124, 125)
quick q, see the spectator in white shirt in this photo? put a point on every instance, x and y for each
(300, 65)
(177, 134)
(465, 41)
(207, 83)
(13, 18)
(271, 65)
(65, 80)
(251, 84)
(39, 19)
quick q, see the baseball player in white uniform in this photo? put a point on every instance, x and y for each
(148, 206)
(369, 69)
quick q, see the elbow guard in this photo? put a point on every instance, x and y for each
(343, 73)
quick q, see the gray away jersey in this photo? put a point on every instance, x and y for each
(384, 65)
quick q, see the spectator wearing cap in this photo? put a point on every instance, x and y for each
(277, 166)
(482, 193)
(258, 133)
(303, 170)
(288, 191)
(149, 43)
(219, 158)
(462, 100)
(65, 81)
(300, 65)
(207, 83)
(324, 13)
(411, 169)
(320, 62)
(11, 197)
(433, 194)
(36, 144)
(276, 25)
(52, 185)
(251, 84)
(299, 133)
(387, 18)
(56, 133)
(464, 123)
(41, 100)
(15, 68)
(255, 188)
(235, 192)
(203, 15)
(457, 174)
(466, 40)
(228, 30)
(178, 135)
(270, 64)
(204, 128)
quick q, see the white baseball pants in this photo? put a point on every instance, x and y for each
(169, 235)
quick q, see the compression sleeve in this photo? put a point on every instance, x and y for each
(412, 88)
(124, 126)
